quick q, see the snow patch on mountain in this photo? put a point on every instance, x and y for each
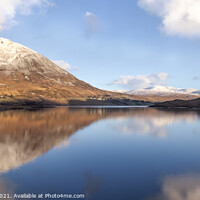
(163, 90)
(15, 57)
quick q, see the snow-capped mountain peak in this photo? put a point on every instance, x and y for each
(16, 57)
(163, 90)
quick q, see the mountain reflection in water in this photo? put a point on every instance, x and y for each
(26, 135)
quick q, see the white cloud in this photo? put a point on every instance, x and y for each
(65, 65)
(62, 64)
(120, 91)
(179, 17)
(181, 187)
(10, 8)
(142, 81)
(92, 23)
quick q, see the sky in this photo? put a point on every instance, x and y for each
(113, 45)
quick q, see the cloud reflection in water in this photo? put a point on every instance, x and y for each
(153, 122)
(181, 187)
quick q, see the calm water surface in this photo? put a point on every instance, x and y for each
(105, 153)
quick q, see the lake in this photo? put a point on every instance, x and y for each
(105, 153)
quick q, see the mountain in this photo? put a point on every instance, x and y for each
(164, 90)
(26, 74)
(164, 93)
(28, 78)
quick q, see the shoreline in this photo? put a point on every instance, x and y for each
(39, 104)
(190, 104)
(91, 103)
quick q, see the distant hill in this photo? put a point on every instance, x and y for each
(163, 93)
(194, 103)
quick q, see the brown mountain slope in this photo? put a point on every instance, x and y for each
(167, 97)
(26, 74)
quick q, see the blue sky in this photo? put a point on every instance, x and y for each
(111, 44)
